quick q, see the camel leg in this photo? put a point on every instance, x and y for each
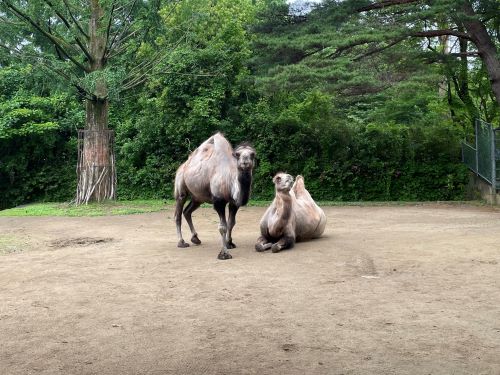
(179, 204)
(220, 207)
(188, 211)
(262, 244)
(230, 225)
(286, 242)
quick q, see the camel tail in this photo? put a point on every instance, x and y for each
(179, 186)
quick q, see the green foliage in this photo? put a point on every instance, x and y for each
(344, 160)
(194, 94)
(306, 90)
(370, 130)
(37, 142)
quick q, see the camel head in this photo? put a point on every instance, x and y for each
(283, 182)
(245, 157)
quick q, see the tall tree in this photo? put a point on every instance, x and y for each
(474, 21)
(84, 43)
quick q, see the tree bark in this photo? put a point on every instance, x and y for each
(96, 167)
(96, 114)
(485, 47)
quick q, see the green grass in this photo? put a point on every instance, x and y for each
(145, 206)
(91, 209)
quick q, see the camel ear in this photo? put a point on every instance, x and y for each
(277, 179)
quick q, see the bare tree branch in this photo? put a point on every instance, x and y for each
(380, 49)
(434, 33)
(385, 4)
(349, 46)
(5, 20)
(466, 54)
(421, 34)
(68, 26)
(145, 67)
(58, 43)
(119, 48)
(108, 29)
(21, 55)
(118, 36)
(74, 19)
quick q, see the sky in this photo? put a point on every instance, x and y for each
(302, 6)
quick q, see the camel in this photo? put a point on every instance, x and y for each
(293, 216)
(217, 174)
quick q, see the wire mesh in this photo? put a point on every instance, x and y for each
(484, 157)
(497, 156)
(469, 156)
(485, 152)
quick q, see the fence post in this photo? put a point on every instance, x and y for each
(476, 123)
(493, 161)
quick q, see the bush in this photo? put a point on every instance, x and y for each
(37, 144)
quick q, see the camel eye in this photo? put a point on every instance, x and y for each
(237, 155)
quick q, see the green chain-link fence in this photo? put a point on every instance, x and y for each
(483, 158)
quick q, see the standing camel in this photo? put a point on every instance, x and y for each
(292, 216)
(217, 174)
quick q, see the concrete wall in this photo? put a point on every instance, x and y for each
(480, 189)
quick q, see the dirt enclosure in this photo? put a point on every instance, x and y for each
(387, 290)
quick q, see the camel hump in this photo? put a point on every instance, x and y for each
(299, 187)
(221, 144)
(216, 147)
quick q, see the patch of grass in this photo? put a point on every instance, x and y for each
(145, 206)
(91, 209)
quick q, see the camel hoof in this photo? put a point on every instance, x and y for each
(195, 240)
(276, 248)
(224, 256)
(181, 243)
(259, 247)
(231, 245)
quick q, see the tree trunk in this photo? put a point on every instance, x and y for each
(96, 160)
(485, 48)
(96, 114)
(461, 81)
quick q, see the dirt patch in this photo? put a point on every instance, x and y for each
(80, 241)
(11, 244)
(386, 290)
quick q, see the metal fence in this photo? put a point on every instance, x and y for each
(483, 158)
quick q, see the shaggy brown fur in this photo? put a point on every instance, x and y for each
(217, 174)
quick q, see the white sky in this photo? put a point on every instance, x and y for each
(302, 6)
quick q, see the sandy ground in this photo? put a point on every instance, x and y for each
(387, 290)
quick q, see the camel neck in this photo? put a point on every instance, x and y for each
(245, 180)
(284, 205)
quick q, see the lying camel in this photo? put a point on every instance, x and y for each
(214, 173)
(293, 216)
